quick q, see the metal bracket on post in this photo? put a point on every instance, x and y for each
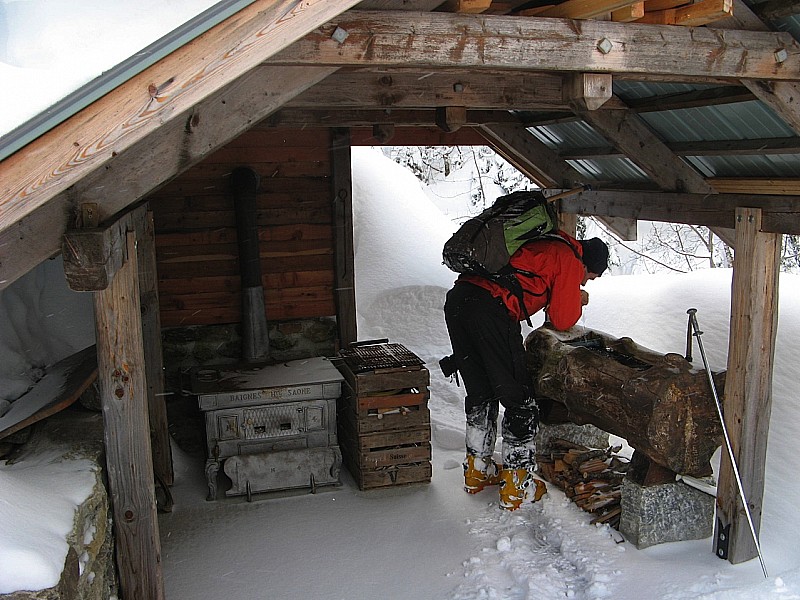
(721, 541)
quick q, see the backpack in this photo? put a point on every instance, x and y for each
(484, 244)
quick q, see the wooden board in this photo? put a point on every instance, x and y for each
(384, 448)
(374, 420)
(391, 477)
(63, 383)
(390, 401)
(387, 379)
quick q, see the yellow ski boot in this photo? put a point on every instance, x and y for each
(478, 473)
(518, 486)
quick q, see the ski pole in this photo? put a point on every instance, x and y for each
(692, 312)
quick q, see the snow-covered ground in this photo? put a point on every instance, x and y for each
(430, 541)
(426, 541)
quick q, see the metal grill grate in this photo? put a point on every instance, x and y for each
(379, 356)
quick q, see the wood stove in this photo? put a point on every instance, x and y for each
(270, 427)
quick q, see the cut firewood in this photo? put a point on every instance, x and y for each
(591, 478)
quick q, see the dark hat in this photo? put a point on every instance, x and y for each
(595, 255)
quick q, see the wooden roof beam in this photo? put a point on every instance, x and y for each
(467, 6)
(788, 186)
(780, 213)
(790, 145)
(628, 132)
(783, 97)
(149, 163)
(445, 40)
(400, 117)
(584, 9)
(408, 5)
(691, 15)
(157, 96)
(404, 88)
(520, 148)
(772, 10)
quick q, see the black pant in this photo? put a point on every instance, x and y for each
(488, 350)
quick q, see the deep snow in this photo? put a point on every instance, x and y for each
(429, 541)
(425, 541)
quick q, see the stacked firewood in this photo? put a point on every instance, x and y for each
(591, 478)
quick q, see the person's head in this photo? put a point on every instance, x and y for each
(595, 257)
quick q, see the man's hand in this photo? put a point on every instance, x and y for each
(584, 297)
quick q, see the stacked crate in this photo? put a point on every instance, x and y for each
(383, 417)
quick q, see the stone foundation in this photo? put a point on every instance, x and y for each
(186, 347)
(669, 512)
(89, 571)
(585, 435)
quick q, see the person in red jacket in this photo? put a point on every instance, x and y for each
(483, 321)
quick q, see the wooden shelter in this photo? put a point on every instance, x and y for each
(574, 92)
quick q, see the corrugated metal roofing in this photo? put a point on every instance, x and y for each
(741, 121)
(572, 134)
(762, 165)
(750, 120)
(637, 90)
(617, 170)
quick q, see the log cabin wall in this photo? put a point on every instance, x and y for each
(197, 257)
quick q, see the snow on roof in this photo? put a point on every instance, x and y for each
(59, 56)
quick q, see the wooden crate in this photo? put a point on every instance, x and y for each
(384, 426)
(391, 476)
(392, 419)
(386, 458)
(382, 381)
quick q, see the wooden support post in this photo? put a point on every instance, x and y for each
(151, 339)
(123, 388)
(92, 256)
(345, 294)
(748, 386)
(568, 222)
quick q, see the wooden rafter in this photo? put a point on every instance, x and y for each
(772, 10)
(411, 118)
(782, 97)
(790, 145)
(157, 96)
(691, 15)
(467, 6)
(787, 186)
(780, 213)
(443, 40)
(405, 88)
(149, 163)
(628, 132)
(626, 14)
(584, 9)
(532, 157)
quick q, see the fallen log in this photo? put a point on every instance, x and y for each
(659, 403)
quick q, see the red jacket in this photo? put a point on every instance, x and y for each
(556, 286)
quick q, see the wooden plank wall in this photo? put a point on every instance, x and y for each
(196, 237)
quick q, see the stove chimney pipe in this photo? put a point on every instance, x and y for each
(255, 336)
